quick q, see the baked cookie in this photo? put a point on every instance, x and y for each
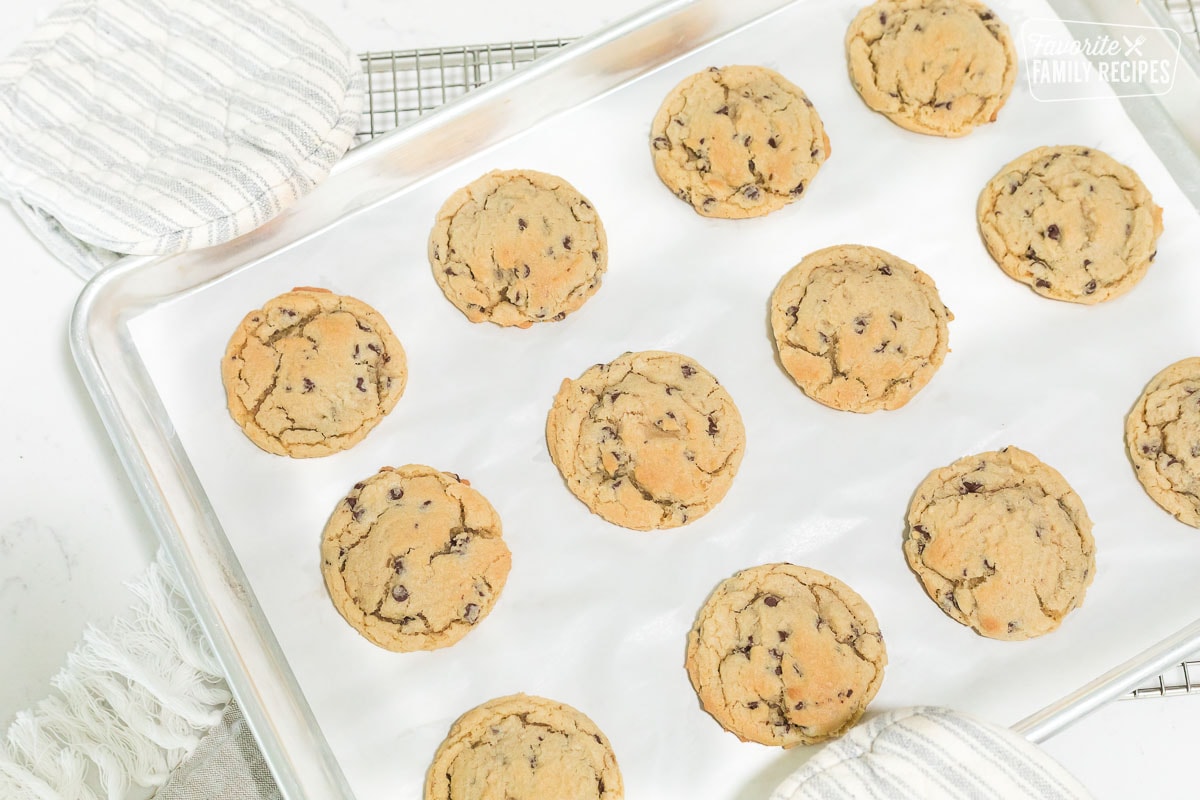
(1071, 222)
(1001, 543)
(939, 67)
(312, 372)
(933, 66)
(413, 558)
(523, 747)
(1162, 433)
(737, 142)
(785, 655)
(518, 247)
(648, 440)
(859, 329)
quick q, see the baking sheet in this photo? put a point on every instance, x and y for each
(595, 615)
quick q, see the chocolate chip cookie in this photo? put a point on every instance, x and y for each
(518, 247)
(1162, 433)
(648, 440)
(523, 747)
(413, 558)
(312, 372)
(859, 329)
(1071, 222)
(1001, 543)
(785, 655)
(737, 142)
(939, 67)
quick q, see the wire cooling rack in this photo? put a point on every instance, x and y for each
(404, 84)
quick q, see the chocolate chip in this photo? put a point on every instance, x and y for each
(918, 27)
(772, 143)
(798, 190)
(396, 493)
(751, 192)
(661, 143)
(1053, 232)
(712, 426)
(361, 326)
(1012, 188)
(308, 386)
(860, 324)
(521, 224)
(799, 706)
(1152, 255)
(688, 370)
(709, 202)
(771, 600)
(596, 256)
(723, 110)
(1090, 287)
(753, 704)
(426, 504)
(750, 164)
(1030, 253)
(782, 635)
(946, 105)
(1087, 261)
(1042, 283)
(399, 593)
(883, 18)
(807, 102)
(1012, 626)
(985, 16)
(361, 384)
(560, 316)
(779, 670)
(746, 143)
(849, 693)
(471, 613)
(398, 564)
(793, 311)
(882, 346)
(885, 270)
(288, 312)
(971, 487)
(351, 501)
(566, 242)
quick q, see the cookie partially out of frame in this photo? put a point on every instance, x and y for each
(858, 328)
(1001, 543)
(1071, 222)
(518, 247)
(413, 558)
(1162, 433)
(940, 67)
(649, 440)
(312, 372)
(737, 141)
(785, 655)
(524, 747)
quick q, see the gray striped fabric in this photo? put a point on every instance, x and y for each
(930, 754)
(156, 126)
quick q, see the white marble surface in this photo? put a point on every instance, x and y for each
(71, 531)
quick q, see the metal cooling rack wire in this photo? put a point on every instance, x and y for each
(404, 84)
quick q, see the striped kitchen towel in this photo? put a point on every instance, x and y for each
(931, 754)
(157, 126)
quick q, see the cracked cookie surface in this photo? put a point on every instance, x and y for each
(859, 329)
(737, 142)
(649, 440)
(413, 558)
(312, 372)
(1071, 222)
(1162, 433)
(524, 747)
(518, 247)
(785, 655)
(1001, 543)
(939, 67)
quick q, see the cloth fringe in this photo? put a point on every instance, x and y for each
(131, 704)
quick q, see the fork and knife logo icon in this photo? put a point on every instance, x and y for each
(1134, 47)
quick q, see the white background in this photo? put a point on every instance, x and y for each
(71, 531)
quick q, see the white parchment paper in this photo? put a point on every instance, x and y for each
(595, 615)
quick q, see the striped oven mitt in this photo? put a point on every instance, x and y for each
(157, 126)
(930, 754)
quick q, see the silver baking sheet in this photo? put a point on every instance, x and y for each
(595, 615)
